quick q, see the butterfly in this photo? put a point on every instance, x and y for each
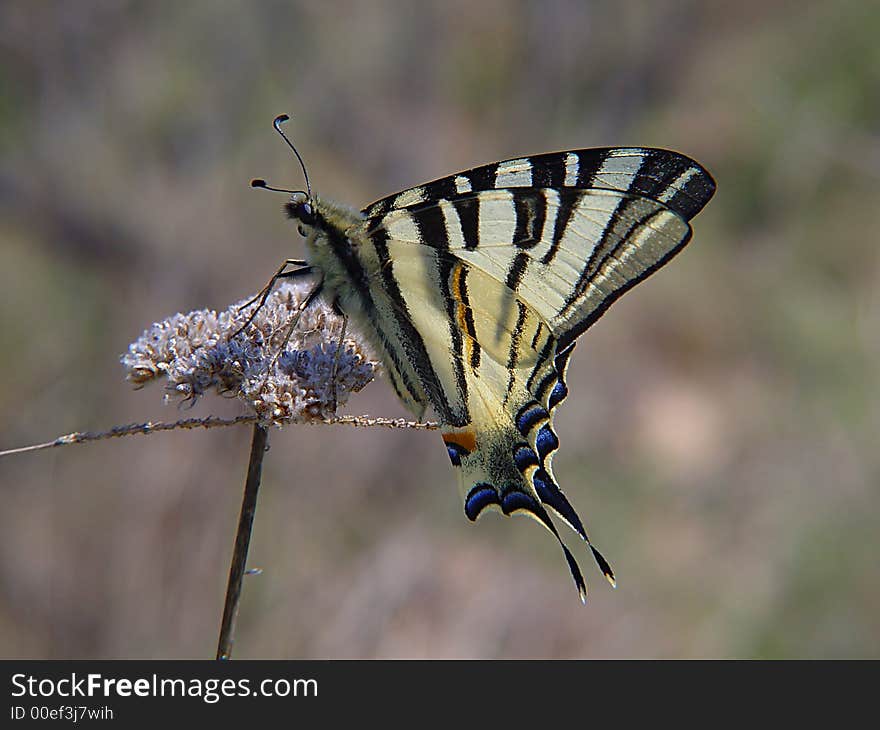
(475, 287)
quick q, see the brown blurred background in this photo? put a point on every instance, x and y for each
(721, 435)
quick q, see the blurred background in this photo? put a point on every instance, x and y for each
(721, 436)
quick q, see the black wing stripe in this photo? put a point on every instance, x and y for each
(432, 227)
(431, 224)
(530, 212)
(517, 334)
(589, 163)
(469, 325)
(483, 178)
(517, 270)
(549, 344)
(357, 276)
(514, 348)
(568, 201)
(443, 188)
(467, 208)
(548, 171)
(538, 332)
(411, 339)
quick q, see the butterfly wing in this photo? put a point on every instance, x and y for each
(673, 179)
(489, 277)
(497, 435)
(597, 221)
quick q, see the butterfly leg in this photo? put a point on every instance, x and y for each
(339, 345)
(294, 320)
(264, 293)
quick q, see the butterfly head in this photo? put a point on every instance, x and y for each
(301, 208)
(301, 205)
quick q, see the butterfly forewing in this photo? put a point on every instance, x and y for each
(668, 177)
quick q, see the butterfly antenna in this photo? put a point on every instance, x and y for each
(279, 120)
(260, 183)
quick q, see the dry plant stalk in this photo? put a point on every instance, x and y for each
(237, 566)
(149, 427)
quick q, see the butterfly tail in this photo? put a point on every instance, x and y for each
(491, 480)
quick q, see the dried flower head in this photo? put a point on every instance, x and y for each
(315, 372)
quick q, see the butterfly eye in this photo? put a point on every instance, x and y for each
(307, 214)
(302, 231)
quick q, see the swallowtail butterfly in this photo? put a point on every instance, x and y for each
(475, 287)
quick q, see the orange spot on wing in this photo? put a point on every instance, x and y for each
(457, 292)
(465, 439)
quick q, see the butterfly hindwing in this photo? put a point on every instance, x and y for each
(502, 376)
(503, 464)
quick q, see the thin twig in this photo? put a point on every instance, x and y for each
(370, 421)
(81, 437)
(242, 541)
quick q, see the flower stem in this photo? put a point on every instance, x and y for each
(242, 542)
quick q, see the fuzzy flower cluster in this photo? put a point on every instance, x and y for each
(204, 351)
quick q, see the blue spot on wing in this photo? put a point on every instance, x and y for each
(546, 441)
(455, 452)
(560, 390)
(480, 497)
(524, 456)
(528, 416)
(519, 500)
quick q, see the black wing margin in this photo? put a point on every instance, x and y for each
(675, 180)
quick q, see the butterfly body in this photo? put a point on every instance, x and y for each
(474, 288)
